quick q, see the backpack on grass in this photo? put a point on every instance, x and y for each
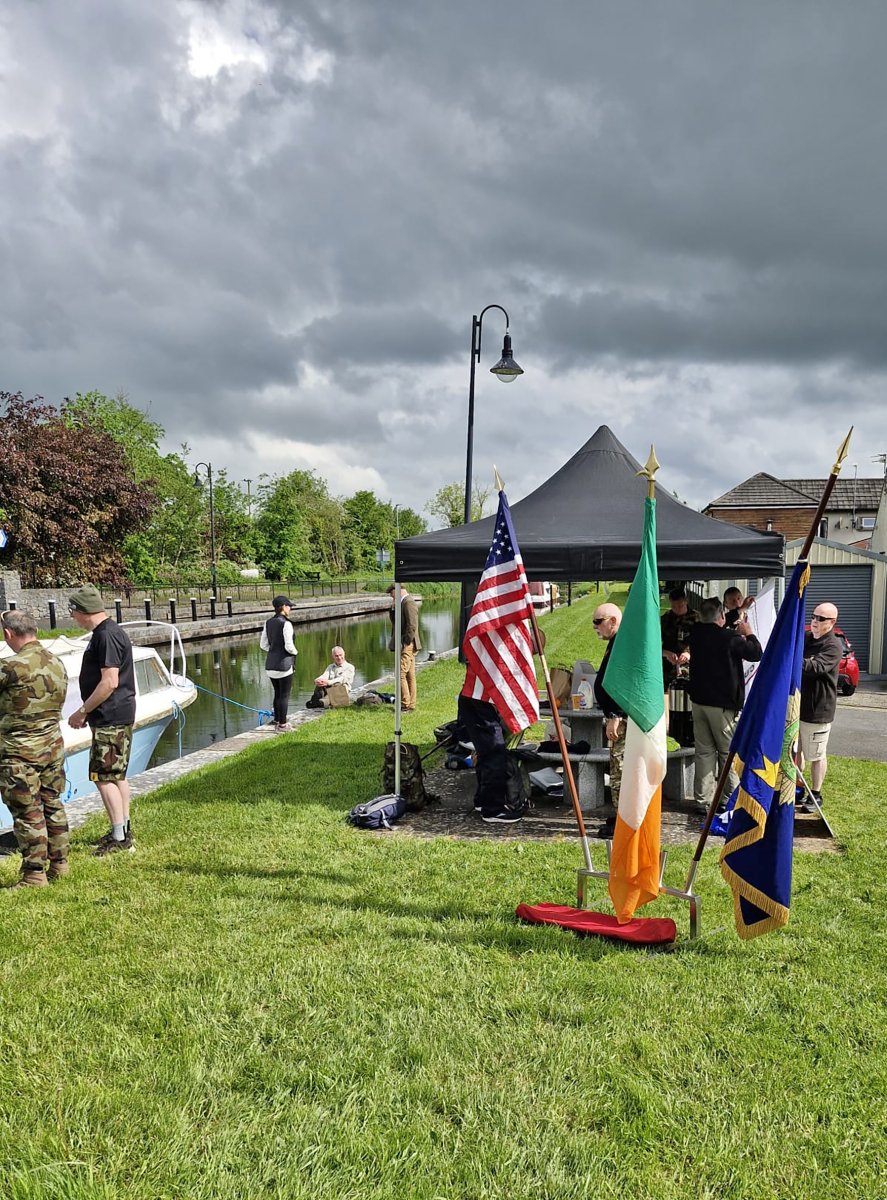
(380, 813)
(412, 775)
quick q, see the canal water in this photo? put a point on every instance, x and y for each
(234, 667)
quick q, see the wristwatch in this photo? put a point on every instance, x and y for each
(82, 710)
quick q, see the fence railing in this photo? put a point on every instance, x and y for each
(256, 590)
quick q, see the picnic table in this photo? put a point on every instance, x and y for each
(587, 725)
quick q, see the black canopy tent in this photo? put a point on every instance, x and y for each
(585, 522)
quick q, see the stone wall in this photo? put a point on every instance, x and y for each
(35, 600)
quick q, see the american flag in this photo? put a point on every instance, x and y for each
(498, 644)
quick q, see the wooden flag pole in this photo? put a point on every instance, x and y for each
(561, 740)
(802, 557)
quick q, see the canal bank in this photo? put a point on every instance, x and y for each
(79, 811)
(246, 618)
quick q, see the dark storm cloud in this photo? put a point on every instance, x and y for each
(258, 213)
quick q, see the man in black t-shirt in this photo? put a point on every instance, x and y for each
(819, 695)
(108, 692)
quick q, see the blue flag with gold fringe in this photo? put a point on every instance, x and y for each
(757, 858)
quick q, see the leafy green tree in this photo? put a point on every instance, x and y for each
(300, 527)
(410, 524)
(448, 503)
(235, 531)
(171, 543)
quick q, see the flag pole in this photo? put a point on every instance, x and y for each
(561, 740)
(802, 557)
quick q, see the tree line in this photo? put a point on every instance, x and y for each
(87, 493)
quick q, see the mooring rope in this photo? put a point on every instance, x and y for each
(262, 712)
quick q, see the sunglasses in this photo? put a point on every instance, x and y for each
(599, 620)
(820, 617)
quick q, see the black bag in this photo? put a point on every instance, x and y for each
(412, 775)
(380, 813)
(515, 788)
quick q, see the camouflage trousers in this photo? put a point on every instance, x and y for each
(32, 794)
(617, 758)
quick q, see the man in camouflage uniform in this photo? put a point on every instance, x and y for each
(33, 684)
(676, 625)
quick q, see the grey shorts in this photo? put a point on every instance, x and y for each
(812, 740)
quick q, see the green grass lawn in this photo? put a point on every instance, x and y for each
(265, 1002)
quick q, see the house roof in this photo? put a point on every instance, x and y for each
(848, 494)
(761, 491)
(765, 491)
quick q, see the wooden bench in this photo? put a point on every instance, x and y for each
(590, 769)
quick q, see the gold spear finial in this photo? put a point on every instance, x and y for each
(842, 453)
(500, 486)
(649, 471)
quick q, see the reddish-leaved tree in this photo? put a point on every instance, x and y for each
(67, 498)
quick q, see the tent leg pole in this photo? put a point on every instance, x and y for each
(398, 698)
(562, 743)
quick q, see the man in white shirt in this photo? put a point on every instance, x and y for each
(339, 671)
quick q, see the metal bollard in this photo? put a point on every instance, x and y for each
(147, 609)
(212, 608)
(118, 611)
(53, 623)
(230, 604)
(172, 611)
(193, 608)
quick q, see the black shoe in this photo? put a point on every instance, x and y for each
(807, 807)
(112, 846)
(504, 816)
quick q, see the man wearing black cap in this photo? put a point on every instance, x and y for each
(108, 692)
(277, 640)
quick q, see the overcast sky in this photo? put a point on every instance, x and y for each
(270, 223)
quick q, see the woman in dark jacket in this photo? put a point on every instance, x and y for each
(277, 639)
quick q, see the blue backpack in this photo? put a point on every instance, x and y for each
(380, 813)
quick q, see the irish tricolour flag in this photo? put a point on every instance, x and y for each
(634, 680)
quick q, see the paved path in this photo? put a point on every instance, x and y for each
(860, 728)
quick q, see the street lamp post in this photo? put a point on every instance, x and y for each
(249, 499)
(397, 522)
(506, 370)
(212, 520)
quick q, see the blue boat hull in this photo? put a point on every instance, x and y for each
(144, 743)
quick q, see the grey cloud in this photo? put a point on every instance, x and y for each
(676, 203)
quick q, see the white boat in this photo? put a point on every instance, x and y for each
(544, 595)
(161, 693)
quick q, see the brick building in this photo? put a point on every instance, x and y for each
(787, 506)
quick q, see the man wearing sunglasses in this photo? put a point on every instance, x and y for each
(819, 695)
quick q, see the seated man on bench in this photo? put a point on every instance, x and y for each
(338, 672)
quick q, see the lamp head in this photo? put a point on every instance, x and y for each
(506, 369)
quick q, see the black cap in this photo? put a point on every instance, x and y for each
(280, 601)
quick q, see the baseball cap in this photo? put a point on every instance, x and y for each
(87, 599)
(279, 601)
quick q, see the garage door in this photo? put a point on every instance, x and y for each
(851, 589)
